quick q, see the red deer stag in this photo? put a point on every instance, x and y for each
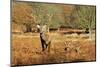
(44, 37)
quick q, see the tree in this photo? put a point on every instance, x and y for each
(22, 14)
(86, 16)
(49, 14)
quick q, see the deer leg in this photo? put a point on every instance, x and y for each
(49, 46)
(42, 42)
(43, 48)
(46, 45)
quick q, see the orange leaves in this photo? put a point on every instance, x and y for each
(22, 13)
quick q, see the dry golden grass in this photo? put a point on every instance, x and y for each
(26, 49)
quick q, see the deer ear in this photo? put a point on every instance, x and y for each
(38, 26)
(44, 28)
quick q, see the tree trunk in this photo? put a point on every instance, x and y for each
(58, 29)
(28, 28)
(90, 32)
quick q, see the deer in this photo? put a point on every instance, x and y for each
(69, 46)
(44, 37)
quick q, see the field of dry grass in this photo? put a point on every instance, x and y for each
(26, 49)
